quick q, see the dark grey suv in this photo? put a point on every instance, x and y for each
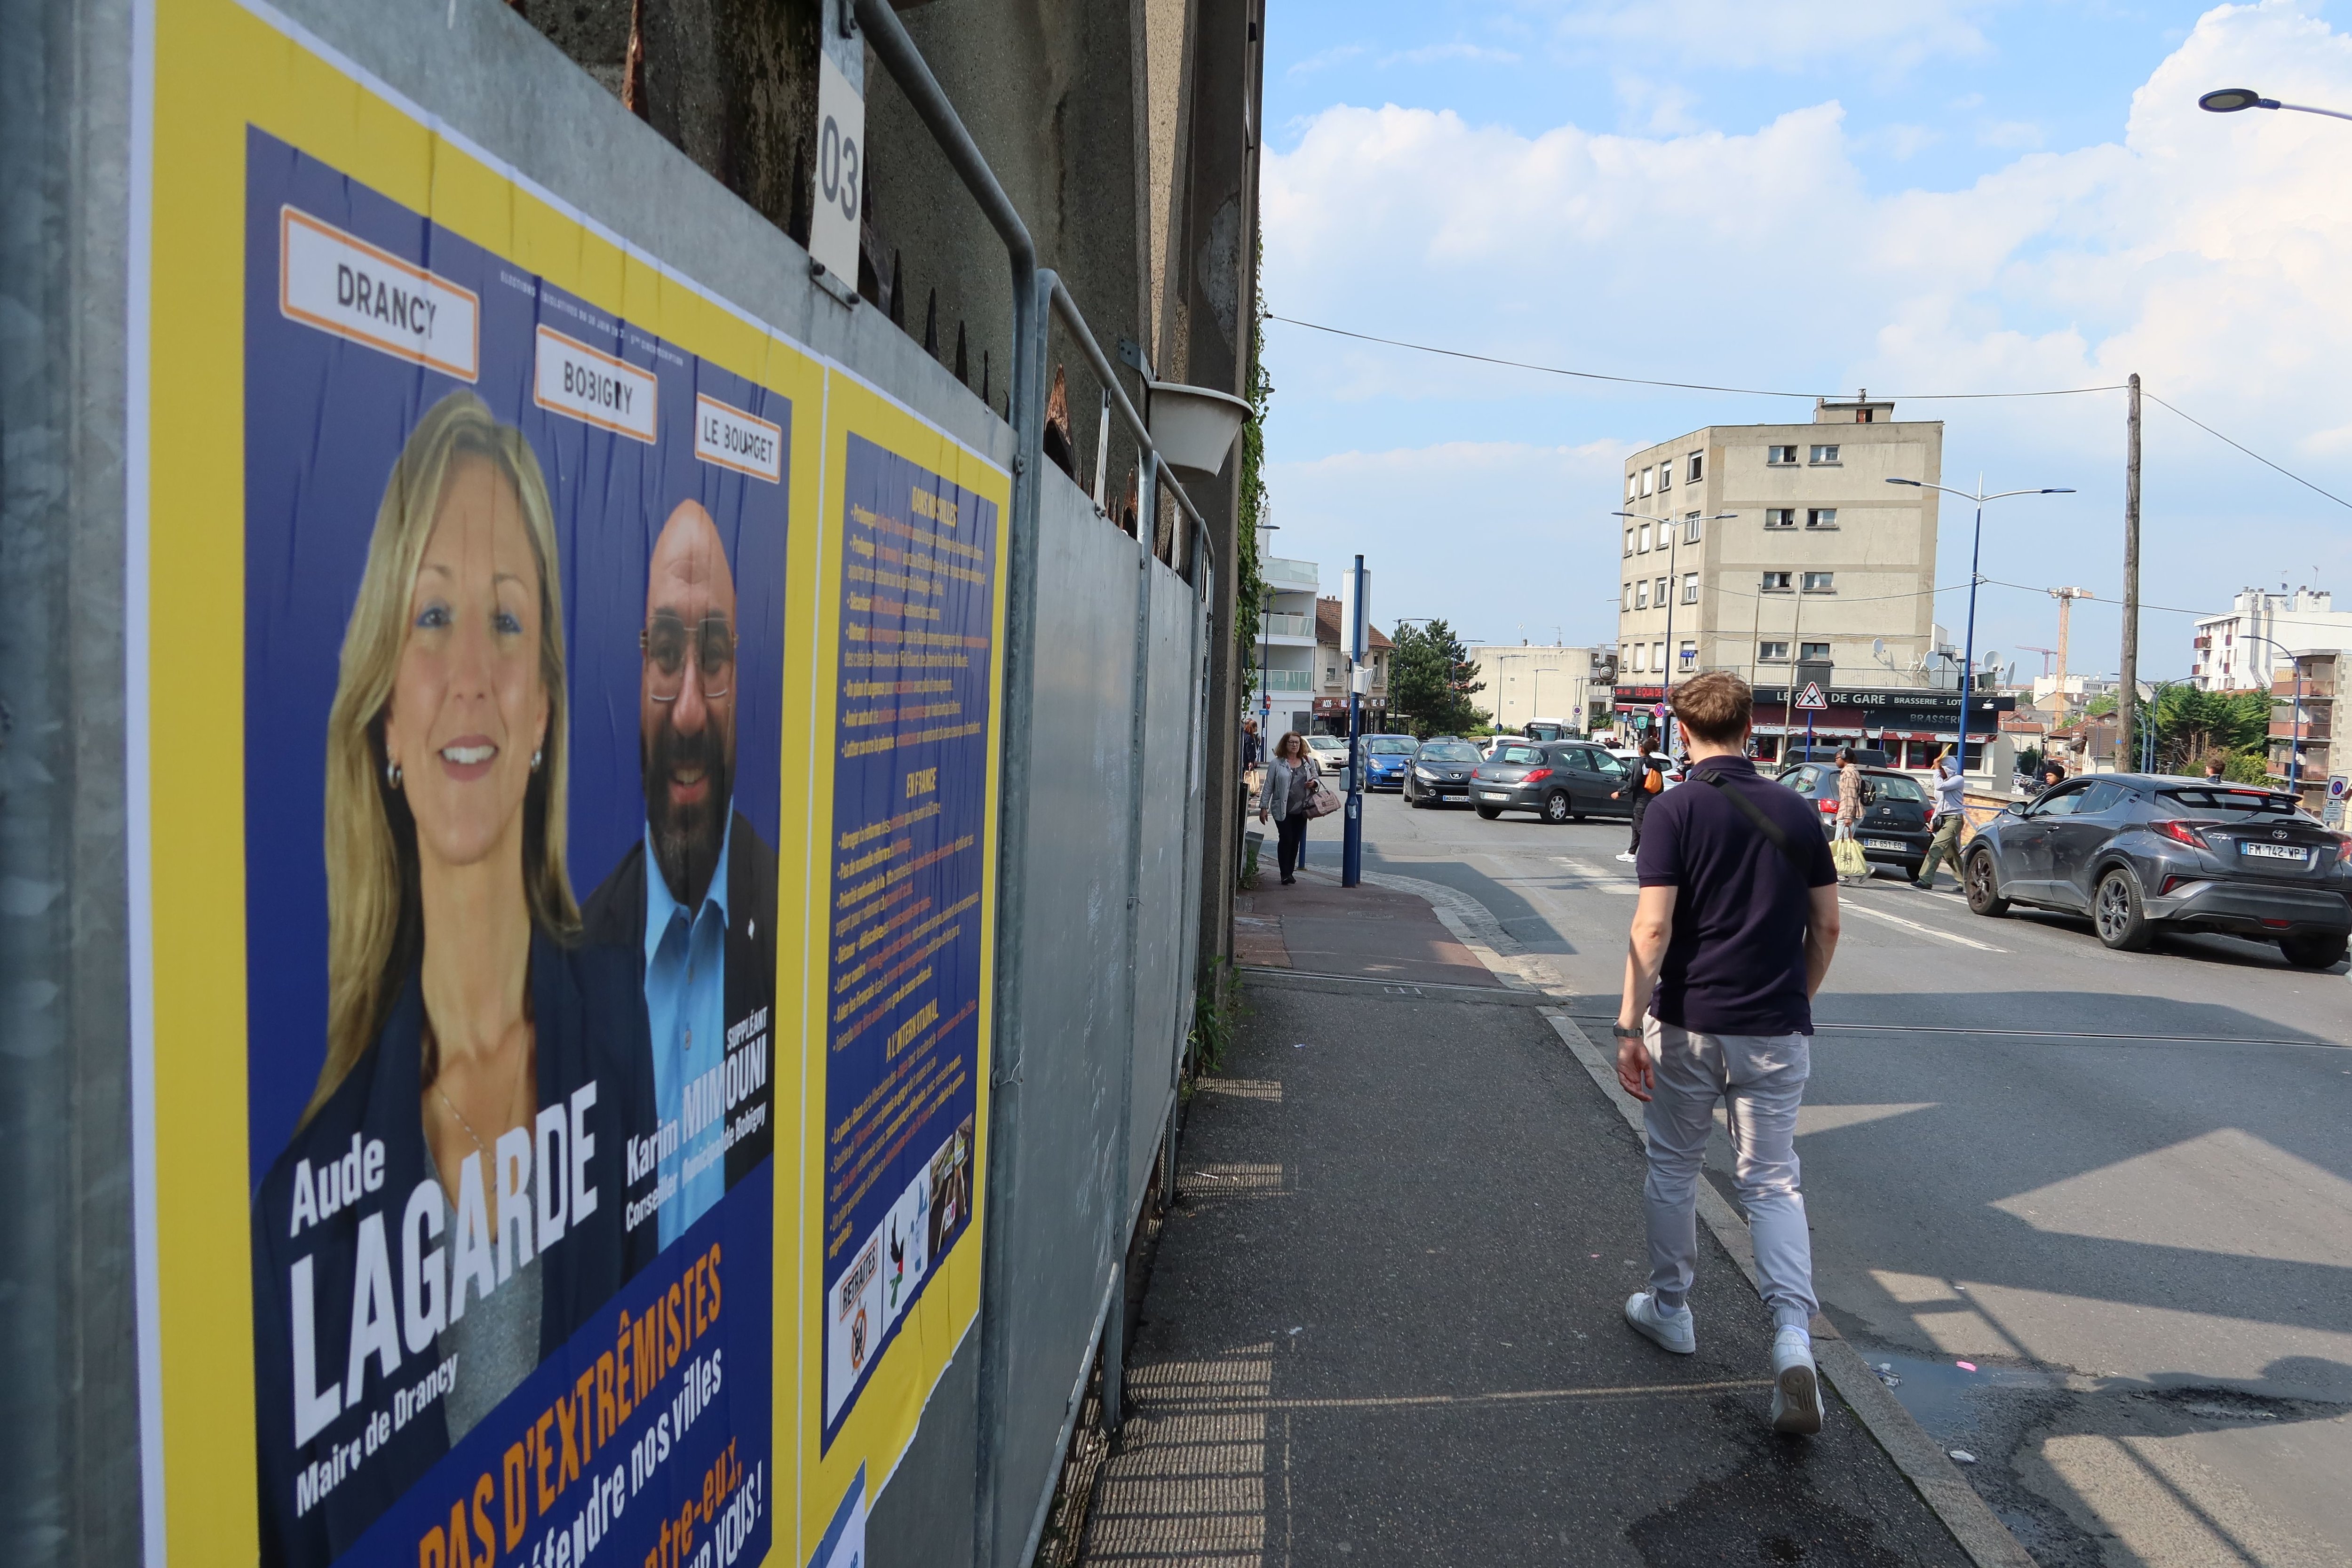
(2140, 853)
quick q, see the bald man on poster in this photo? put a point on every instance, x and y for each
(704, 928)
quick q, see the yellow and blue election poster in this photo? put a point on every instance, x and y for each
(565, 853)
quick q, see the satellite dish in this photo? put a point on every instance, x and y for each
(1878, 647)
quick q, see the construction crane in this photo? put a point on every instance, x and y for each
(2065, 597)
(2044, 652)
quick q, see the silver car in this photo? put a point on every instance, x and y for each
(2139, 853)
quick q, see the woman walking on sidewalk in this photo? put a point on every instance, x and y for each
(1290, 777)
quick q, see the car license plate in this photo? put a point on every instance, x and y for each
(2274, 852)
(1494, 795)
(1883, 844)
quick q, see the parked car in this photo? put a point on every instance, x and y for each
(1440, 771)
(2139, 853)
(1562, 782)
(1896, 813)
(1386, 757)
(1329, 752)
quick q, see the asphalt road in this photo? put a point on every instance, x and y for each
(2119, 1185)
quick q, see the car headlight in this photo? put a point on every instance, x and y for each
(1424, 773)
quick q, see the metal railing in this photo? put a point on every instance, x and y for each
(1287, 680)
(1284, 624)
(1039, 296)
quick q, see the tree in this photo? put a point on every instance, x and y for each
(2191, 726)
(1431, 680)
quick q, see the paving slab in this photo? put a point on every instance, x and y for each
(1316, 926)
(1384, 1327)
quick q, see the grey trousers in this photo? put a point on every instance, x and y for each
(1760, 1079)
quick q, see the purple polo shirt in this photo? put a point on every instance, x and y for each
(1736, 961)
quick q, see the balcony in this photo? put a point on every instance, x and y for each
(1285, 573)
(1279, 626)
(1288, 680)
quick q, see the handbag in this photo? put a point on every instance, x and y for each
(1320, 801)
(1850, 859)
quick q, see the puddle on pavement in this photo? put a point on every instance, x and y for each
(1940, 1395)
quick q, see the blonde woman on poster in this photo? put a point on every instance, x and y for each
(454, 1204)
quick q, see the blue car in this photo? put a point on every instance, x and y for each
(1386, 757)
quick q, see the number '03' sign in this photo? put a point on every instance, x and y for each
(840, 166)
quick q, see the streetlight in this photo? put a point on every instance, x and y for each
(2230, 100)
(1976, 550)
(1674, 589)
(2294, 741)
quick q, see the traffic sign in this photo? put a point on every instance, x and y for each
(2339, 785)
(1810, 697)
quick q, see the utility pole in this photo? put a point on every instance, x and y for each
(2127, 698)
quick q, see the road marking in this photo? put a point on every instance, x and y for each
(1923, 930)
(1598, 878)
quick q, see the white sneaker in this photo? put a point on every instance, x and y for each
(1676, 1332)
(1628, 856)
(1796, 1385)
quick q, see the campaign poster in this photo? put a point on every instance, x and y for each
(513, 645)
(906, 1009)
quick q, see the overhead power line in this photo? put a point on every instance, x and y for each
(2249, 451)
(1682, 386)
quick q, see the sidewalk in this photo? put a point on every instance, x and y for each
(1316, 926)
(1383, 1325)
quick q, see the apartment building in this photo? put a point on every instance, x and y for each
(2241, 651)
(1820, 558)
(1537, 680)
(2303, 727)
(1288, 669)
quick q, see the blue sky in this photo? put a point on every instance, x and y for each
(1938, 197)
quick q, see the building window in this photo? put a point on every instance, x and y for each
(1780, 517)
(1821, 582)
(1647, 480)
(1628, 595)
(1697, 468)
(1690, 587)
(1772, 652)
(1780, 456)
(1863, 416)
(1776, 581)
(1813, 650)
(1632, 486)
(1644, 545)
(1690, 528)
(1637, 658)
(1821, 516)
(1688, 655)
(1641, 595)
(1825, 454)
(1666, 478)
(1657, 656)
(1659, 597)
(1629, 541)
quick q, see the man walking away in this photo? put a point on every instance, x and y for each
(1945, 844)
(1735, 928)
(1647, 780)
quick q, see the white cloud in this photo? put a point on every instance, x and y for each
(2015, 135)
(2206, 252)
(1888, 36)
(1431, 54)
(1322, 58)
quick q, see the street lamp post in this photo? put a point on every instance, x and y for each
(2230, 100)
(1674, 591)
(2294, 740)
(1266, 653)
(1976, 550)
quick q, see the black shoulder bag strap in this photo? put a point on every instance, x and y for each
(1770, 829)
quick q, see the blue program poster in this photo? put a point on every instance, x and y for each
(910, 850)
(513, 665)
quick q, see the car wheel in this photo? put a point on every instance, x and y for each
(1576, 816)
(2116, 912)
(1490, 812)
(1556, 807)
(2314, 951)
(1984, 896)
(1414, 800)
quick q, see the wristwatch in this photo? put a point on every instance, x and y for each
(1623, 1033)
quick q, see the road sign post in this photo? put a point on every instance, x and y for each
(1354, 627)
(1811, 701)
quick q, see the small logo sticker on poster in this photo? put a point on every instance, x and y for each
(734, 439)
(591, 386)
(338, 284)
(854, 1325)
